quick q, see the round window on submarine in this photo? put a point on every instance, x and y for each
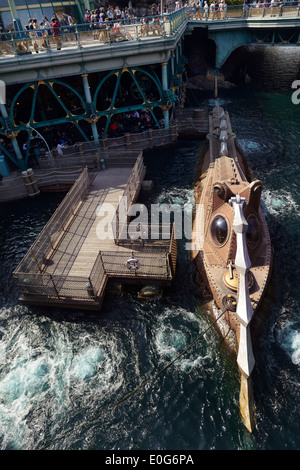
(253, 231)
(219, 230)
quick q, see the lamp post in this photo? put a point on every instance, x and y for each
(41, 137)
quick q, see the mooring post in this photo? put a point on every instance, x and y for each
(216, 88)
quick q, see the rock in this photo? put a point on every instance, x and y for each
(150, 292)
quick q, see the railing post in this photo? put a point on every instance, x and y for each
(14, 45)
(128, 141)
(55, 288)
(46, 41)
(163, 26)
(90, 289)
(107, 32)
(150, 137)
(77, 34)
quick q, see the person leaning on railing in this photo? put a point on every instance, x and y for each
(55, 25)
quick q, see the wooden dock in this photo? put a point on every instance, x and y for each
(70, 263)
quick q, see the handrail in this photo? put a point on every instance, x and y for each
(21, 43)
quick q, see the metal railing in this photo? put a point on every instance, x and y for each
(38, 284)
(152, 265)
(37, 257)
(256, 10)
(80, 36)
(87, 34)
(90, 153)
(132, 188)
(156, 265)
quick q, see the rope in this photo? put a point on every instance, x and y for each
(142, 385)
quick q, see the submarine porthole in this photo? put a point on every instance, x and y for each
(219, 230)
(253, 233)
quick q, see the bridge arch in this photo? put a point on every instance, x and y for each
(226, 42)
(145, 89)
(51, 103)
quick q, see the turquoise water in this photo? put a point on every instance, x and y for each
(61, 370)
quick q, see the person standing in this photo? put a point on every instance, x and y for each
(212, 9)
(47, 26)
(206, 9)
(55, 25)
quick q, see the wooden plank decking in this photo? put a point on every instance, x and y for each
(78, 249)
(71, 267)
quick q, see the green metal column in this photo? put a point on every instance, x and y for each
(14, 14)
(172, 62)
(88, 98)
(87, 4)
(164, 67)
(14, 141)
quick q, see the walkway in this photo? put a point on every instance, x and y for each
(70, 262)
(119, 40)
(79, 247)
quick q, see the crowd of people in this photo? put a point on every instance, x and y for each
(123, 14)
(132, 122)
(38, 32)
(44, 33)
(212, 5)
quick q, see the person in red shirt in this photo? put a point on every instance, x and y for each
(55, 24)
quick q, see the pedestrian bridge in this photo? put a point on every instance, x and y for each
(89, 75)
(88, 48)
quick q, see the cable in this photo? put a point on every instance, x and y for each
(142, 385)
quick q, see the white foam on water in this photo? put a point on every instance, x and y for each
(99, 366)
(279, 203)
(290, 342)
(85, 365)
(181, 196)
(223, 102)
(59, 372)
(249, 145)
(21, 389)
(174, 333)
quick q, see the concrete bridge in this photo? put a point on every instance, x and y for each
(86, 70)
(254, 26)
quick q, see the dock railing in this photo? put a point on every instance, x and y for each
(119, 223)
(157, 258)
(155, 266)
(158, 265)
(152, 265)
(89, 154)
(37, 257)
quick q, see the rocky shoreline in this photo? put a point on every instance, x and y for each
(207, 82)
